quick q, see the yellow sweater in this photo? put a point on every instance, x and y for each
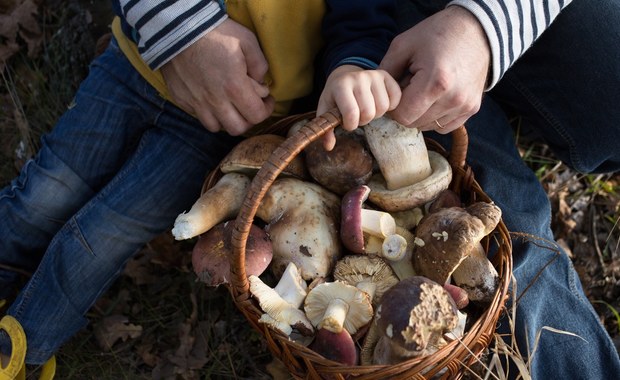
(290, 36)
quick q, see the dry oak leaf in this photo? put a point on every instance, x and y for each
(18, 19)
(113, 328)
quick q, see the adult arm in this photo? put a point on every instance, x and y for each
(447, 61)
(511, 27)
(213, 67)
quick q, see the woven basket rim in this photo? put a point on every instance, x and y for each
(302, 362)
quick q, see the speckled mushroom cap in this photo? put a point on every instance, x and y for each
(415, 313)
(447, 236)
(250, 154)
(211, 254)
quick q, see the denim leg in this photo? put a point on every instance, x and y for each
(84, 150)
(147, 177)
(548, 292)
(566, 88)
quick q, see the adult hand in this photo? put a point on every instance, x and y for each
(219, 79)
(442, 65)
(360, 96)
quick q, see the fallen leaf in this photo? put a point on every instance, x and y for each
(19, 20)
(113, 328)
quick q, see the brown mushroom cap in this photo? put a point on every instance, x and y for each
(447, 236)
(212, 251)
(250, 154)
(338, 347)
(415, 313)
(347, 165)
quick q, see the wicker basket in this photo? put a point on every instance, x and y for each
(451, 361)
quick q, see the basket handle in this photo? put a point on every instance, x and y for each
(277, 162)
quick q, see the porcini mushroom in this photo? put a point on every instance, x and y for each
(349, 164)
(412, 318)
(250, 154)
(369, 274)
(282, 303)
(213, 249)
(218, 204)
(336, 305)
(410, 175)
(302, 221)
(450, 235)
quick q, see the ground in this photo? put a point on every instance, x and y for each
(157, 321)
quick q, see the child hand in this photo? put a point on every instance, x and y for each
(360, 95)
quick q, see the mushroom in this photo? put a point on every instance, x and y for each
(349, 164)
(250, 154)
(357, 220)
(369, 274)
(412, 318)
(302, 221)
(375, 232)
(477, 276)
(282, 303)
(212, 252)
(336, 305)
(410, 175)
(408, 219)
(220, 203)
(338, 347)
(449, 236)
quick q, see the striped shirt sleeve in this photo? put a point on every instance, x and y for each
(165, 28)
(511, 27)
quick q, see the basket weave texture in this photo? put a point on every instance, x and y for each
(451, 361)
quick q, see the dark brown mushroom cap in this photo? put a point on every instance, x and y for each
(447, 236)
(416, 313)
(211, 254)
(338, 347)
(347, 165)
(351, 232)
(250, 154)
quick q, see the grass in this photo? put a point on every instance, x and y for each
(157, 322)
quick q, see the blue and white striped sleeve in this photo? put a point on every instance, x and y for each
(511, 27)
(165, 28)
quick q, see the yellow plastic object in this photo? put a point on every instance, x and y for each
(16, 369)
(18, 354)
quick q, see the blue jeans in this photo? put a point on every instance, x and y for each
(566, 88)
(116, 170)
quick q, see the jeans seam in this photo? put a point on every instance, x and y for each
(547, 115)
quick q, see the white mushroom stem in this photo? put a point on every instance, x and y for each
(377, 223)
(335, 315)
(399, 151)
(398, 250)
(477, 275)
(218, 204)
(394, 247)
